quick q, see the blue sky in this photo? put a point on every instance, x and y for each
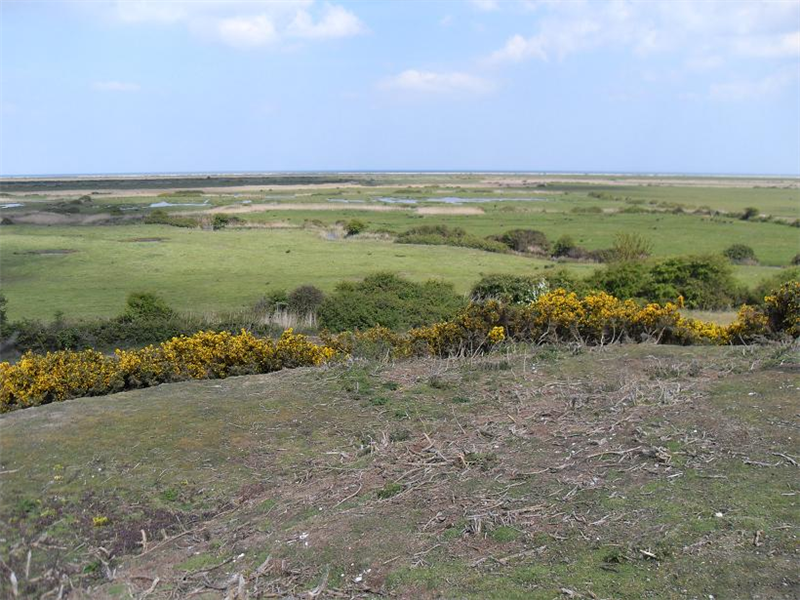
(110, 87)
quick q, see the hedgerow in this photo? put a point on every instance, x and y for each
(39, 379)
(597, 318)
(442, 235)
(556, 316)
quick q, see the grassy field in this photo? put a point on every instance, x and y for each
(670, 234)
(201, 271)
(211, 271)
(631, 471)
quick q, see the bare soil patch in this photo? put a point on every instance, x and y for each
(255, 208)
(449, 210)
(49, 252)
(146, 239)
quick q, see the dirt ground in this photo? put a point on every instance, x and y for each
(630, 471)
(256, 208)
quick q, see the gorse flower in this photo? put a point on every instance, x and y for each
(38, 379)
(496, 335)
(554, 316)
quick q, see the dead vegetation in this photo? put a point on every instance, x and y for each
(620, 472)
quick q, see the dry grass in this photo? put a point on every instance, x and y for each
(515, 475)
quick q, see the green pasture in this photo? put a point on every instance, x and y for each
(671, 234)
(202, 271)
(199, 270)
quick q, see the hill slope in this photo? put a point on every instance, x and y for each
(626, 472)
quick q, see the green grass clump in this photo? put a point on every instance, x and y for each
(389, 490)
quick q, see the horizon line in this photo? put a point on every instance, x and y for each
(244, 173)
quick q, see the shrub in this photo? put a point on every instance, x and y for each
(442, 235)
(556, 316)
(748, 213)
(122, 332)
(704, 282)
(740, 254)
(305, 299)
(55, 376)
(272, 301)
(796, 259)
(630, 247)
(563, 246)
(561, 278)
(220, 222)
(3, 317)
(510, 289)
(162, 217)
(768, 285)
(354, 226)
(524, 240)
(388, 300)
(783, 309)
(145, 306)
(623, 280)
(522, 289)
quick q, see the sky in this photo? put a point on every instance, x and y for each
(585, 86)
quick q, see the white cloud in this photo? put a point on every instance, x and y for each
(336, 22)
(115, 86)
(485, 5)
(770, 46)
(754, 89)
(247, 31)
(704, 63)
(751, 29)
(437, 83)
(243, 23)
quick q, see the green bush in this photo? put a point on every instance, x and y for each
(442, 235)
(305, 299)
(272, 301)
(3, 317)
(630, 247)
(566, 280)
(390, 301)
(524, 240)
(145, 306)
(704, 282)
(220, 221)
(523, 289)
(623, 280)
(354, 226)
(510, 289)
(162, 217)
(563, 246)
(796, 259)
(772, 283)
(586, 210)
(749, 213)
(740, 254)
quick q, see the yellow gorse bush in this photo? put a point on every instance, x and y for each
(39, 379)
(559, 315)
